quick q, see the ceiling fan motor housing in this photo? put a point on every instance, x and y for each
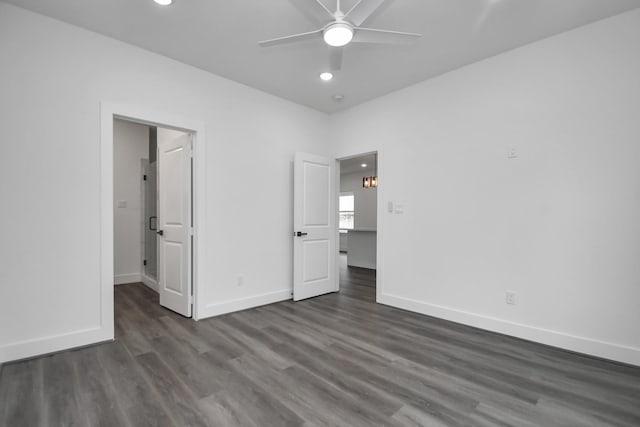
(338, 33)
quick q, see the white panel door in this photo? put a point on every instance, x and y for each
(314, 220)
(174, 220)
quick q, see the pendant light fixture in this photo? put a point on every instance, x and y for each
(371, 181)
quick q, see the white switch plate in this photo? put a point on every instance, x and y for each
(511, 298)
(122, 203)
(390, 207)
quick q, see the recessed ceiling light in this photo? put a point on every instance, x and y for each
(338, 34)
(164, 2)
(338, 97)
(326, 76)
(364, 165)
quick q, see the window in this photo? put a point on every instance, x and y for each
(346, 211)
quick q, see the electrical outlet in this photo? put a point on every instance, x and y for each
(240, 281)
(511, 298)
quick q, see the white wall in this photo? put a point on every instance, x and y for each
(130, 145)
(364, 199)
(559, 225)
(54, 77)
(362, 249)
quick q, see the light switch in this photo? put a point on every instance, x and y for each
(390, 207)
(122, 203)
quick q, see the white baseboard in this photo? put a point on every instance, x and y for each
(50, 344)
(121, 279)
(589, 346)
(230, 306)
(149, 282)
(363, 264)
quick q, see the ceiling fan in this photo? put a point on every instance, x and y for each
(344, 28)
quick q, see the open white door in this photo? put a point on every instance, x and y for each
(174, 220)
(314, 221)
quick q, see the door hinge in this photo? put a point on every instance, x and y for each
(144, 177)
(144, 262)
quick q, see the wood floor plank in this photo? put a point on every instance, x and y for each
(271, 379)
(173, 326)
(330, 401)
(244, 396)
(339, 359)
(21, 390)
(187, 365)
(174, 396)
(342, 378)
(61, 396)
(138, 398)
(408, 416)
(225, 411)
(252, 345)
(96, 396)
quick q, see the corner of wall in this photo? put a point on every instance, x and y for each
(229, 306)
(583, 345)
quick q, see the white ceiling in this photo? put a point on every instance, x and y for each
(221, 36)
(354, 164)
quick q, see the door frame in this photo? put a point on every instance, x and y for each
(147, 116)
(144, 278)
(379, 215)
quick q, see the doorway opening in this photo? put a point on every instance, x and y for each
(188, 220)
(134, 200)
(153, 222)
(358, 225)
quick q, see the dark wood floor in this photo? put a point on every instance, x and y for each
(338, 359)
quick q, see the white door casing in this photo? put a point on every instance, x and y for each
(315, 232)
(174, 220)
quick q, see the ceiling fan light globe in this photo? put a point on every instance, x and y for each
(326, 76)
(338, 34)
(164, 2)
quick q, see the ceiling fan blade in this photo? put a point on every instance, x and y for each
(292, 39)
(314, 11)
(371, 35)
(325, 8)
(362, 10)
(335, 58)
